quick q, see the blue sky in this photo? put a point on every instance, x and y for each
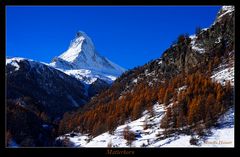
(128, 35)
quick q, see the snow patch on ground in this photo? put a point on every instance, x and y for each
(224, 74)
(195, 46)
(135, 80)
(222, 135)
(143, 136)
(160, 62)
(181, 88)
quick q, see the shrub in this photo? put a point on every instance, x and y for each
(128, 135)
(194, 141)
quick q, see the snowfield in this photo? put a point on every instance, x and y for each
(221, 136)
(144, 136)
(88, 76)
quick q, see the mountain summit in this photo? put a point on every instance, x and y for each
(82, 54)
(224, 12)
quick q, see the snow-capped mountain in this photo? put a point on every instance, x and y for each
(85, 63)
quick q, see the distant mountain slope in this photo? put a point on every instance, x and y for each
(57, 91)
(37, 96)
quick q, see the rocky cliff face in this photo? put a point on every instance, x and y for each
(188, 53)
(197, 49)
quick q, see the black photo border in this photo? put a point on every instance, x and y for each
(78, 152)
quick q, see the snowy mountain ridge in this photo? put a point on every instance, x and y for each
(81, 55)
(225, 10)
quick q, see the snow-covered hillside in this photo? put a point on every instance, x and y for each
(85, 63)
(220, 136)
(144, 136)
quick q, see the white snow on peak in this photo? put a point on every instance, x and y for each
(14, 62)
(224, 11)
(81, 55)
(228, 8)
(18, 59)
(80, 44)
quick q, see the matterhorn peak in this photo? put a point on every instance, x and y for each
(80, 46)
(81, 33)
(82, 54)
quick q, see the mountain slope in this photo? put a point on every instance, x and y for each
(150, 134)
(181, 79)
(37, 97)
(220, 136)
(51, 87)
